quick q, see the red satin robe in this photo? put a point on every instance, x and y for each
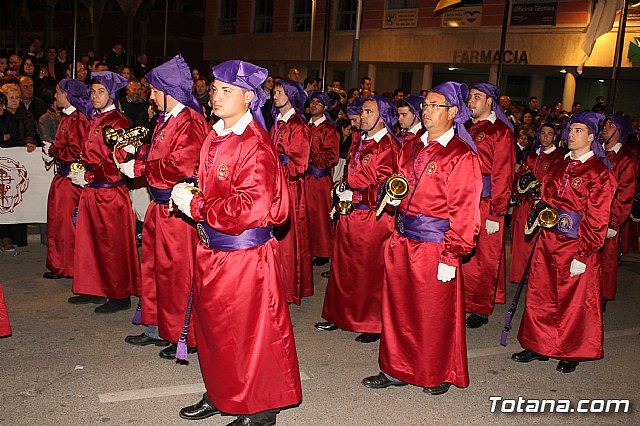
(5, 326)
(106, 258)
(625, 169)
(631, 230)
(168, 239)
(521, 244)
(484, 272)
(563, 315)
(245, 338)
(64, 195)
(354, 291)
(423, 319)
(325, 150)
(292, 139)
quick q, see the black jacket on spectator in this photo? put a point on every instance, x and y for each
(9, 131)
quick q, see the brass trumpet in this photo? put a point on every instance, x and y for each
(340, 207)
(121, 138)
(395, 188)
(547, 217)
(191, 188)
(77, 166)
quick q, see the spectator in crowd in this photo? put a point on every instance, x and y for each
(4, 64)
(293, 74)
(115, 58)
(62, 63)
(48, 122)
(34, 105)
(15, 61)
(202, 94)
(134, 106)
(49, 65)
(141, 67)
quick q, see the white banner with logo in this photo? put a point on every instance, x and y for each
(24, 186)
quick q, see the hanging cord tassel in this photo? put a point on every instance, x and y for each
(137, 316)
(181, 352)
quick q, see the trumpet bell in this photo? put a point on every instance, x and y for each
(548, 218)
(344, 207)
(76, 167)
(397, 187)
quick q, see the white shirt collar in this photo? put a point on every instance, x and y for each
(319, 121)
(69, 110)
(582, 158)
(615, 148)
(442, 140)
(492, 118)
(287, 115)
(109, 108)
(549, 150)
(175, 111)
(379, 135)
(237, 128)
(415, 129)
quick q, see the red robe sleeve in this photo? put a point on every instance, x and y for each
(325, 145)
(502, 171)
(626, 170)
(375, 170)
(106, 170)
(72, 131)
(292, 140)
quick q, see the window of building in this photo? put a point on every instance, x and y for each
(401, 4)
(346, 14)
(263, 22)
(301, 15)
(228, 14)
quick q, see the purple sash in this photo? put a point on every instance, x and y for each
(426, 229)
(160, 196)
(318, 173)
(253, 237)
(63, 169)
(98, 185)
(284, 159)
(486, 186)
(359, 206)
(568, 224)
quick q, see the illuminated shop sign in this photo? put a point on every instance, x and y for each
(490, 57)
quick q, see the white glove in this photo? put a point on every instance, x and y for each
(446, 272)
(127, 168)
(346, 195)
(46, 147)
(395, 202)
(182, 198)
(611, 233)
(577, 268)
(45, 157)
(130, 149)
(492, 227)
(78, 178)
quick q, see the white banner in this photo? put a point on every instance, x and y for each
(24, 186)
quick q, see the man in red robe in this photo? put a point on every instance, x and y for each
(353, 297)
(64, 195)
(544, 154)
(423, 312)
(169, 239)
(245, 338)
(5, 325)
(325, 151)
(409, 117)
(106, 258)
(290, 134)
(615, 131)
(485, 270)
(563, 313)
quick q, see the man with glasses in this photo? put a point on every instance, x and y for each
(484, 272)
(423, 326)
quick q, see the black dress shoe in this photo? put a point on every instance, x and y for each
(326, 326)
(368, 337)
(320, 261)
(51, 276)
(438, 390)
(83, 299)
(528, 356)
(114, 305)
(199, 411)
(170, 351)
(144, 340)
(380, 381)
(476, 321)
(567, 366)
(259, 419)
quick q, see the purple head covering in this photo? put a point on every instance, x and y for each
(77, 94)
(493, 92)
(388, 113)
(537, 144)
(111, 81)
(325, 100)
(246, 76)
(295, 93)
(592, 121)
(624, 126)
(456, 94)
(415, 104)
(174, 79)
(354, 107)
